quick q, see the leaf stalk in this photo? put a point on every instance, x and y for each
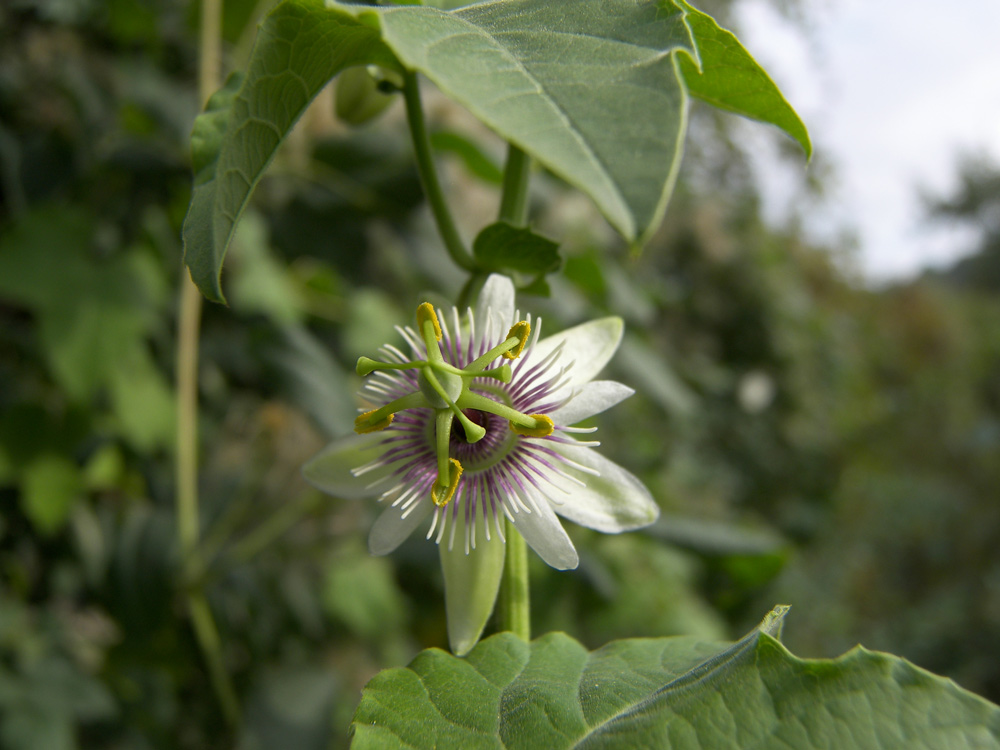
(513, 602)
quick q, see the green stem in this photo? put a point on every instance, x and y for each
(428, 176)
(208, 640)
(188, 325)
(513, 604)
(514, 200)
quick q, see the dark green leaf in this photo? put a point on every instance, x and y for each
(667, 693)
(92, 313)
(50, 487)
(302, 44)
(503, 247)
(589, 88)
(586, 87)
(730, 79)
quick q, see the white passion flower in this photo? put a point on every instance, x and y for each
(474, 426)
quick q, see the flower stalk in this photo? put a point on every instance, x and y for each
(513, 602)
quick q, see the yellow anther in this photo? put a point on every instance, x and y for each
(362, 424)
(426, 312)
(442, 495)
(543, 427)
(521, 330)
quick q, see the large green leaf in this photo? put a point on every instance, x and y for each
(667, 693)
(300, 47)
(589, 88)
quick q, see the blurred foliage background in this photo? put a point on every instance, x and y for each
(810, 440)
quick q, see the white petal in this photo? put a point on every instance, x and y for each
(471, 583)
(390, 529)
(544, 534)
(593, 398)
(588, 346)
(497, 296)
(613, 502)
(330, 469)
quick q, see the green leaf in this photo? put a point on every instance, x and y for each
(667, 693)
(730, 79)
(301, 45)
(587, 87)
(92, 312)
(143, 401)
(503, 247)
(260, 282)
(50, 486)
(360, 590)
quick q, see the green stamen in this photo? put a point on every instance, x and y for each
(367, 365)
(492, 354)
(370, 420)
(442, 429)
(536, 425)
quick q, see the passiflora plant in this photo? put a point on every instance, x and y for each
(466, 427)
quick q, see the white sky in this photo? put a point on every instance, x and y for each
(892, 91)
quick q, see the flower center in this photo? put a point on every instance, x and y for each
(467, 426)
(484, 453)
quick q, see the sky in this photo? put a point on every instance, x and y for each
(893, 93)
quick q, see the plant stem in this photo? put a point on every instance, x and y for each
(514, 200)
(188, 325)
(428, 176)
(211, 646)
(513, 603)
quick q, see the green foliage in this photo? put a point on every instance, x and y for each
(606, 113)
(669, 693)
(300, 47)
(505, 248)
(51, 485)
